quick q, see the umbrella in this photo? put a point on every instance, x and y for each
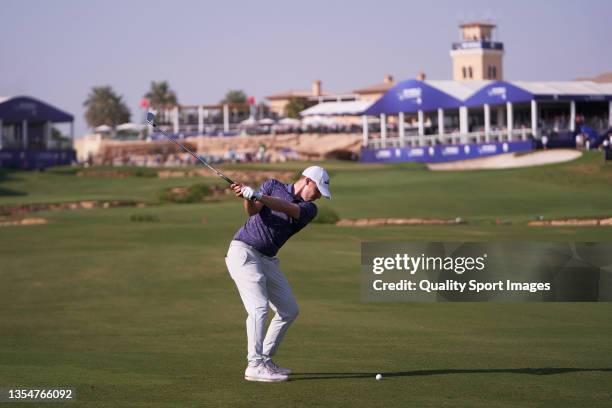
(249, 122)
(290, 122)
(320, 121)
(129, 126)
(266, 121)
(103, 128)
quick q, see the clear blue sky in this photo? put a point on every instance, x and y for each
(57, 50)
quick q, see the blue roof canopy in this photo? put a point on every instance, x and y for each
(412, 96)
(499, 92)
(20, 108)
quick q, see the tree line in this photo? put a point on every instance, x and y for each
(104, 106)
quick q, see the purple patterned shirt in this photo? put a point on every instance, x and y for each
(268, 230)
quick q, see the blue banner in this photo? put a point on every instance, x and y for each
(443, 153)
(35, 159)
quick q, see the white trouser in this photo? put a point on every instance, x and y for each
(261, 282)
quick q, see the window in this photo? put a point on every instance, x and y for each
(464, 74)
(492, 72)
(470, 73)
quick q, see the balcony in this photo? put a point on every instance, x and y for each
(475, 44)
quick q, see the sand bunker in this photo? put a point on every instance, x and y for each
(367, 222)
(510, 160)
(576, 222)
(5, 222)
(27, 208)
(244, 176)
(241, 176)
(105, 173)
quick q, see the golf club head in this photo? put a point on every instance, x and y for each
(151, 118)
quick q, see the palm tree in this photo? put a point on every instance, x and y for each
(235, 96)
(105, 107)
(239, 99)
(161, 96)
(294, 107)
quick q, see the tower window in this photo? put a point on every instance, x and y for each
(470, 73)
(464, 73)
(492, 72)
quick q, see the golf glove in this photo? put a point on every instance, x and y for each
(250, 194)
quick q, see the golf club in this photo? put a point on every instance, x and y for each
(151, 121)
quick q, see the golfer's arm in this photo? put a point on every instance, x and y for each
(276, 204)
(251, 207)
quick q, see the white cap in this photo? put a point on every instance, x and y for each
(320, 177)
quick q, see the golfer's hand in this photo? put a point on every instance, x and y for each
(250, 194)
(237, 187)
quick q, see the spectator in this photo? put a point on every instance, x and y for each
(579, 140)
(261, 153)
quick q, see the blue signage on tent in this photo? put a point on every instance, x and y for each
(499, 92)
(443, 153)
(412, 96)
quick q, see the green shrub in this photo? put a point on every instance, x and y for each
(144, 172)
(144, 218)
(195, 193)
(326, 215)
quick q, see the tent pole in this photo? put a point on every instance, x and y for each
(509, 119)
(24, 134)
(200, 120)
(383, 130)
(534, 118)
(487, 122)
(441, 125)
(225, 118)
(421, 128)
(365, 129)
(402, 130)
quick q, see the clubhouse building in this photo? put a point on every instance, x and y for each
(478, 113)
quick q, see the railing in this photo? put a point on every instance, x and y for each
(488, 45)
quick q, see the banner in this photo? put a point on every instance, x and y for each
(35, 159)
(443, 153)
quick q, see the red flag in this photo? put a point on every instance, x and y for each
(144, 103)
(251, 100)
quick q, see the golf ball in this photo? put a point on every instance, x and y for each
(378, 377)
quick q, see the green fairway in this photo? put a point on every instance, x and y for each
(145, 313)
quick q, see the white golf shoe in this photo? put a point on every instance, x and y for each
(272, 365)
(263, 372)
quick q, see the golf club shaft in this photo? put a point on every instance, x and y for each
(185, 148)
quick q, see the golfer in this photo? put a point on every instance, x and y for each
(276, 212)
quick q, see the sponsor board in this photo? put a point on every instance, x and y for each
(444, 153)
